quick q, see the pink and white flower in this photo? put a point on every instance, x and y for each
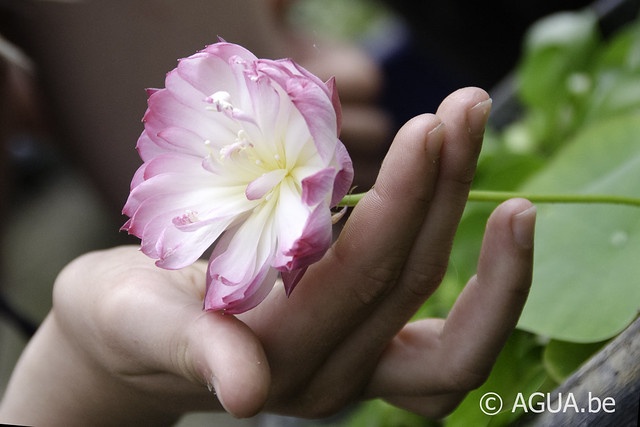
(242, 153)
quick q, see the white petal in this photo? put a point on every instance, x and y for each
(259, 187)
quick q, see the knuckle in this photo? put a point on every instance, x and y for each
(323, 403)
(369, 280)
(444, 409)
(376, 282)
(423, 281)
(463, 379)
(108, 320)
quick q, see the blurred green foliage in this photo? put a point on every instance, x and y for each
(579, 132)
(339, 19)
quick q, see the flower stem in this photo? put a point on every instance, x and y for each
(501, 196)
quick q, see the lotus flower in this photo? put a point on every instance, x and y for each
(241, 153)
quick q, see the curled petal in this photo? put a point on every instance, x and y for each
(311, 97)
(335, 100)
(344, 178)
(313, 242)
(239, 272)
(303, 235)
(235, 301)
(291, 278)
(318, 186)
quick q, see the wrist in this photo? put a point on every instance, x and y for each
(55, 383)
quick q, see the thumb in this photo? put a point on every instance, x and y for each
(231, 359)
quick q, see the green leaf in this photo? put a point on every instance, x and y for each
(623, 51)
(555, 47)
(562, 358)
(586, 284)
(378, 413)
(505, 163)
(616, 92)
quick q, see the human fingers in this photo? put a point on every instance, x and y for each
(451, 357)
(371, 250)
(146, 329)
(463, 115)
(300, 333)
(488, 308)
(335, 309)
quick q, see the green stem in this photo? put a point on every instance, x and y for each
(501, 196)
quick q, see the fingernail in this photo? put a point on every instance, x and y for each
(523, 226)
(477, 116)
(213, 387)
(435, 138)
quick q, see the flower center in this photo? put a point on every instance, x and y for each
(262, 169)
(240, 145)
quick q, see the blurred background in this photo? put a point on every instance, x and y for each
(72, 80)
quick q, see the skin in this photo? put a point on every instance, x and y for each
(127, 342)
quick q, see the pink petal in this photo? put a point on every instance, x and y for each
(314, 241)
(138, 176)
(239, 273)
(317, 187)
(164, 196)
(344, 178)
(185, 141)
(173, 162)
(303, 236)
(321, 121)
(291, 278)
(228, 51)
(270, 111)
(335, 100)
(235, 301)
(162, 240)
(291, 217)
(198, 69)
(148, 148)
(311, 97)
(178, 249)
(236, 260)
(165, 111)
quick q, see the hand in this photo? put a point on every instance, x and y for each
(126, 341)
(342, 334)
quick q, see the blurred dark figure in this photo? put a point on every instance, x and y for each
(459, 43)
